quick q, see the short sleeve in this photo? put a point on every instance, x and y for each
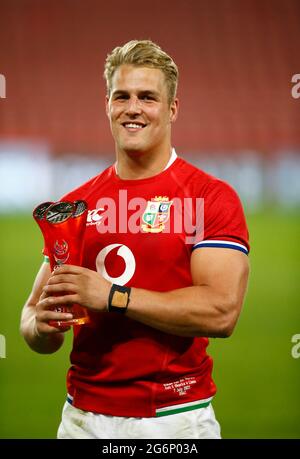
(45, 252)
(224, 220)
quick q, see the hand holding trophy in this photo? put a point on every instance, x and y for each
(63, 225)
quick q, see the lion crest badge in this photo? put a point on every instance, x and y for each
(156, 214)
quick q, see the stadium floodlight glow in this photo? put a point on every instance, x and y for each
(63, 225)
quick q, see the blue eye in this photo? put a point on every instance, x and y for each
(120, 97)
(147, 97)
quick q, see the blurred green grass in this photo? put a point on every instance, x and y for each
(257, 378)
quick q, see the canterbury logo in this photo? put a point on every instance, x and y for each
(128, 257)
(94, 217)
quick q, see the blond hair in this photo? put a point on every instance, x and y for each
(142, 53)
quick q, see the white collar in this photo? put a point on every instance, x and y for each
(170, 162)
(172, 159)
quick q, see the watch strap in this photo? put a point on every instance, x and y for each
(118, 298)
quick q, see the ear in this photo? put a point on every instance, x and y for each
(174, 107)
(107, 105)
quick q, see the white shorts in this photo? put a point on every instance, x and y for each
(195, 424)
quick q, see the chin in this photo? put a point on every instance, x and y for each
(133, 149)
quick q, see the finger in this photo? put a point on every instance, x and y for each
(59, 278)
(68, 269)
(53, 301)
(60, 288)
(47, 315)
(50, 328)
(47, 322)
(43, 295)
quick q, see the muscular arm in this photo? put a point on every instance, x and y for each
(34, 327)
(210, 307)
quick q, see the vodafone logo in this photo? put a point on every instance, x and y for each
(128, 257)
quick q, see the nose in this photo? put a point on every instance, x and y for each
(133, 106)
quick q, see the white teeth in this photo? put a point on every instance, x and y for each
(133, 126)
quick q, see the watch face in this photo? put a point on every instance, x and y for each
(119, 299)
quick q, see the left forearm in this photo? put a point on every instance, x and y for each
(191, 311)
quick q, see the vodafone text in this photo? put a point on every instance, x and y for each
(161, 214)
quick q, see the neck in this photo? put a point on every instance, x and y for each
(134, 166)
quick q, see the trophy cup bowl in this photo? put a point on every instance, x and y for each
(63, 225)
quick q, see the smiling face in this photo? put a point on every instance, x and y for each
(139, 112)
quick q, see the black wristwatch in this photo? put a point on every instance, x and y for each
(118, 299)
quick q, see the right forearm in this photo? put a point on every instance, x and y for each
(48, 339)
(43, 344)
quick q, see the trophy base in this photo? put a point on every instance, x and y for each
(81, 317)
(68, 323)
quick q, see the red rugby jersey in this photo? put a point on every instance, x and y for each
(141, 233)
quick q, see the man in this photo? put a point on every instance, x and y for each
(165, 267)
